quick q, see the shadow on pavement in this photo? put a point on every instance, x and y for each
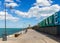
(54, 37)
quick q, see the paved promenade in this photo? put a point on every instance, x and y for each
(30, 37)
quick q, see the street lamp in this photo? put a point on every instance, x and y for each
(5, 31)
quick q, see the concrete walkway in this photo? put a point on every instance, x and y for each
(30, 37)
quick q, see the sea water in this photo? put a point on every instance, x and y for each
(9, 31)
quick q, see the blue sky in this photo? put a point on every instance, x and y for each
(26, 12)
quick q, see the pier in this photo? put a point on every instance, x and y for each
(31, 36)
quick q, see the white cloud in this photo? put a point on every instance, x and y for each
(23, 14)
(8, 16)
(50, 1)
(44, 11)
(43, 2)
(11, 4)
(8, 0)
(39, 12)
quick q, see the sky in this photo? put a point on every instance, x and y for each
(25, 12)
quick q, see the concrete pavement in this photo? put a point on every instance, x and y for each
(30, 37)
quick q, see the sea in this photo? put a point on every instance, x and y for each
(9, 31)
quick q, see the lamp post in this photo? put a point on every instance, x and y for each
(5, 31)
(5, 25)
